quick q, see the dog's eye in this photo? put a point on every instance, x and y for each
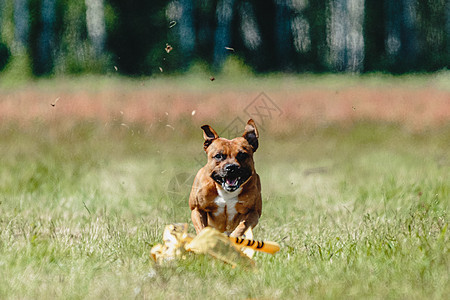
(241, 156)
(219, 156)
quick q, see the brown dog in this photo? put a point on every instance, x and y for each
(226, 193)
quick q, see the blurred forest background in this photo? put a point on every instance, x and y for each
(139, 37)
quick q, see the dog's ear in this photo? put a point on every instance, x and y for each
(209, 135)
(251, 134)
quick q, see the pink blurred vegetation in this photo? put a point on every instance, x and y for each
(415, 108)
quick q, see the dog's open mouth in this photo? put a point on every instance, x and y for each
(231, 184)
(231, 181)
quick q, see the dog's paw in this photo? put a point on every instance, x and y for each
(239, 230)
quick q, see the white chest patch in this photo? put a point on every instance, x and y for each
(226, 202)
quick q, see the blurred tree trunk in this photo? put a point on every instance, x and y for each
(355, 37)
(95, 22)
(408, 37)
(205, 25)
(283, 40)
(316, 14)
(307, 34)
(22, 26)
(346, 39)
(393, 24)
(401, 36)
(337, 32)
(374, 36)
(250, 32)
(74, 51)
(447, 28)
(47, 37)
(431, 34)
(300, 27)
(222, 37)
(187, 31)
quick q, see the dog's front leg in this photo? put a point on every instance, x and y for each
(199, 219)
(248, 220)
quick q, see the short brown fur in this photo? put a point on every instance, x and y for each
(212, 178)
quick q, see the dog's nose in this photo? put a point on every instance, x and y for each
(231, 168)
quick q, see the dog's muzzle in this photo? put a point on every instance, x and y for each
(231, 177)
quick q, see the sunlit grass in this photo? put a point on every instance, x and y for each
(359, 207)
(359, 212)
(200, 80)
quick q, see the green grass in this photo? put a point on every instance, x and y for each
(360, 211)
(199, 80)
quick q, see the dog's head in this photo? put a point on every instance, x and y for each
(231, 161)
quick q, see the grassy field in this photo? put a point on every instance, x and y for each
(355, 176)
